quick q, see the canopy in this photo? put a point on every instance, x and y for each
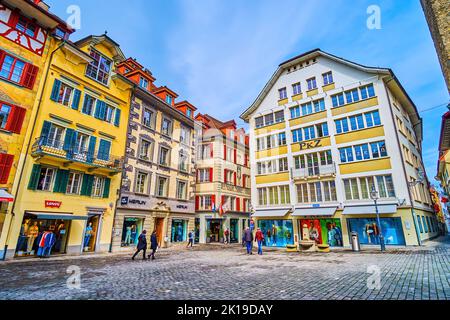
(304, 212)
(56, 216)
(270, 213)
(5, 196)
(382, 209)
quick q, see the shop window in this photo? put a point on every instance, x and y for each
(420, 224)
(323, 231)
(369, 231)
(179, 230)
(277, 233)
(132, 228)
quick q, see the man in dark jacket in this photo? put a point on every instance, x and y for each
(248, 237)
(142, 245)
(153, 245)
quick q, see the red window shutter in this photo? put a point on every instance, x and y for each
(197, 202)
(238, 204)
(13, 19)
(235, 180)
(211, 149)
(2, 57)
(211, 172)
(225, 176)
(225, 152)
(6, 161)
(15, 120)
(29, 76)
(235, 155)
(243, 180)
(223, 200)
(213, 201)
(245, 160)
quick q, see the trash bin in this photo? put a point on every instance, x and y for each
(356, 246)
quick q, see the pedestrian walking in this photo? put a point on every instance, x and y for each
(142, 245)
(226, 235)
(191, 239)
(153, 245)
(259, 238)
(249, 240)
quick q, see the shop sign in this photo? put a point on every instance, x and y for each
(53, 204)
(181, 206)
(310, 145)
(316, 205)
(126, 200)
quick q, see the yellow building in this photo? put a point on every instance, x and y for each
(158, 189)
(222, 190)
(29, 33)
(327, 133)
(67, 188)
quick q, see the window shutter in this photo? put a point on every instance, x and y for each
(6, 161)
(197, 202)
(211, 172)
(106, 188)
(117, 118)
(211, 149)
(86, 187)
(86, 102)
(55, 90)
(213, 201)
(243, 180)
(69, 142)
(222, 200)
(76, 99)
(2, 56)
(32, 184)
(104, 149)
(91, 149)
(61, 180)
(100, 110)
(225, 176)
(238, 204)
(235, 155)
(15, 120)
(224, 152)
(235, 180)
(29, 76)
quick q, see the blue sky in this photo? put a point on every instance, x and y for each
(218, 54)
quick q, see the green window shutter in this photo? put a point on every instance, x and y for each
(85, 184)
(117, 118)
(61, 180)
(34, 178)
(55, 91)
(76, 99)
(90, 185)
(107, 187)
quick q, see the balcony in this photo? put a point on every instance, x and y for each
(328, 170)
(44, 147)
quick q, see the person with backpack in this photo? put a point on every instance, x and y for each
(248, 237)
(259, 238)
(142, 245)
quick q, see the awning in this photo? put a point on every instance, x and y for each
(382, 209)
(306, 212)
(56, 216)
(270, 213)
(5, 196)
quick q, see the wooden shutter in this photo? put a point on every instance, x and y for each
(235, 155)
(225, 176)
(117, 118)
(213, 200)
(61, 180)
(106, 188)
(69, 142)
(6, 161)
(15, 119)
(55, 91)
(211, 149)
(32, 184)
(238, 204)
(235, 180)
(29, 76)
(76, 99)
(91, 149)
(211, 172)
(224, 152)
(197, 202)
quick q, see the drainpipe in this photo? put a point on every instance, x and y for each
(123, 170)
(29, 144)
(403, 162)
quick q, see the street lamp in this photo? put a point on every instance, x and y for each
(374, 196)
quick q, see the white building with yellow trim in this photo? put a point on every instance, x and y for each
(325, 132)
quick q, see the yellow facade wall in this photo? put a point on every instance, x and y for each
(313, 92)
(355, 106)
(268, 129)
(278, 177)
(272, 152)
(365, 166)
(297, 97)
(329, 87)
(308, 118)
(360, 135)
(283, 102)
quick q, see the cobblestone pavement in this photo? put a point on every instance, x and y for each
(212, 272)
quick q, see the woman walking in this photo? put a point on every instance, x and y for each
(153, 245)
(142, 245)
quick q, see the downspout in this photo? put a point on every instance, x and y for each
(122, 171)
(403, 164)
(29, 144)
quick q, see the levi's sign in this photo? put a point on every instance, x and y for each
(53, 204)
(310, 144)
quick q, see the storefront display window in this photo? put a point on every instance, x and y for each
(179, 230)
(197, 230)
(132, 228)
(277, 233)
(234, 230)
(42, 237)
(324, 231)
(368, 230)
(213, 227)
(90, 234)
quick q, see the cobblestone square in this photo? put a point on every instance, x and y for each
(218, 272)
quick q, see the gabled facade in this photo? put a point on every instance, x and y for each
(29, 33)
(158, 193)
(222, 197)
(323, 133)
(67, 188)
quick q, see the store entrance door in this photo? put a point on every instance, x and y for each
(91, 233)
(214, 230)
(159, 229)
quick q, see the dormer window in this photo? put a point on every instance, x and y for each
(189, 112)
(143, 83)
(100, 68)
(27, 27)
(169, 99)
(232, 134)
(60, 33)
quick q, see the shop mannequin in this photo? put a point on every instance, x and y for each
(133, 234)
(88, 235)
(128, 236)
(33, 232)
(22, 243)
